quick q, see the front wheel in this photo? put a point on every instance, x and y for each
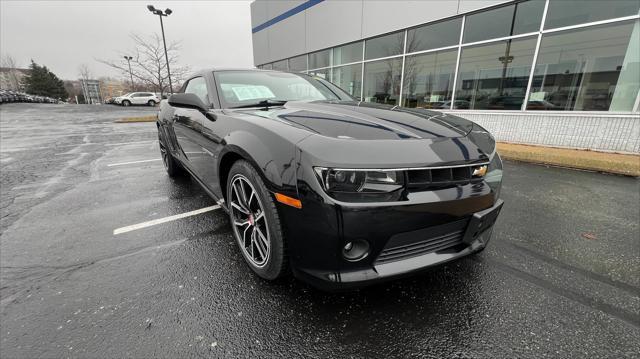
(151, 103)
(126, 103)
(255, 222)
(170, 164)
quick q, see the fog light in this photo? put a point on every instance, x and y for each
(356, 250)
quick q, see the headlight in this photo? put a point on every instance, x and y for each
(359, 181)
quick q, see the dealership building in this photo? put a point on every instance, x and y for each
(562, 73)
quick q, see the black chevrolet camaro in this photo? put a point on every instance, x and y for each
(339, 192)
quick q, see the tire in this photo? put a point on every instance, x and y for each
(151, 103)
(255, 220)
(126, 103)
(170, 164)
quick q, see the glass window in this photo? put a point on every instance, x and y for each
(320, 59)
(347, 53)
(281, 65)
(324, 74)
(581, 69)
(495, 76)
(382, 81)
(383, 46)
(298, 63)
(428, 79)
(571, 12)
(515, 19)
(434, 36)
(349, 78)
(198, 87)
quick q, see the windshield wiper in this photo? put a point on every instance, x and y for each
(263, 103)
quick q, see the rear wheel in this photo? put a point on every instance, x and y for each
(126, 103)
(170, 164)
(255, 222)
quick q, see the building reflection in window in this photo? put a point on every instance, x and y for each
(519, 18)
(428, 79)
(581, 69)
(349, 78)
(298, 63)
(324, 74)
(494, 76)
(320, 59)
(281, 65)
(382, 81)
(384, 46)
(347, 53)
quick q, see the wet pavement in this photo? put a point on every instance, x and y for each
(559, 279)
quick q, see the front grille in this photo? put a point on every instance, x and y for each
(412, 244)
(432, 178)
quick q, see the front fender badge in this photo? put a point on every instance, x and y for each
(480, 171)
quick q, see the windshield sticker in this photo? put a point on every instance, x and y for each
(252, 92)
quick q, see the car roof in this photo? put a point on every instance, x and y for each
(215, 69)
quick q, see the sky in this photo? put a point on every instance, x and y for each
(65, 34)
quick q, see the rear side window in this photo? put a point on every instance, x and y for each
(198, 87)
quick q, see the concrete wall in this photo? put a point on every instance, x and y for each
(335, 22)
(584, 130)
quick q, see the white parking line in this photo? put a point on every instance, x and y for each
(132, 162)
(127, 143)
(134, 227)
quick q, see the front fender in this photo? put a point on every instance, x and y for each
(272, 156)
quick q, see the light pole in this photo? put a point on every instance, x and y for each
(129, 58)
(160, 13)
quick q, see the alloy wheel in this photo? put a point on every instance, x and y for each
(164, 154)
(249, 221)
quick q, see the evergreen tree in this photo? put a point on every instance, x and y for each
(43, 82)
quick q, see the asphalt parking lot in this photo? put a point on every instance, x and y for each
(559, 279)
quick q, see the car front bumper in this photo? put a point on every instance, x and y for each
(431, 228)
(425, 248)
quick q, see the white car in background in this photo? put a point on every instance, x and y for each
(138, 98)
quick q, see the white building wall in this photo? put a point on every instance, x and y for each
(383, 16)
(335, 22)
(583, 130)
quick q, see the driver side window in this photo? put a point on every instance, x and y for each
(198, 87)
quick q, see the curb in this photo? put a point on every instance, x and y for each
(618, 163)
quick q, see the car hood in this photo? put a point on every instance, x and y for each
(365, 121)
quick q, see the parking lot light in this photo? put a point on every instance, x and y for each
(129, 58)
(161, 14)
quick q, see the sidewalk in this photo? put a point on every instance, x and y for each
(624, 164)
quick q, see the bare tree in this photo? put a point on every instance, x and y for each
(13, 78)
(148, 65)
(84, 72)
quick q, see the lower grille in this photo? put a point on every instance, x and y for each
(437, 241)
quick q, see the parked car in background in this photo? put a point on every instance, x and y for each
(138, 98)
(8, 96)
(542, 105)
(344, 193)
(457, 105)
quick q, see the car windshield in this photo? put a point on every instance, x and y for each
(247, 88)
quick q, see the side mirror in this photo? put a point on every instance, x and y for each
(189, 100)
